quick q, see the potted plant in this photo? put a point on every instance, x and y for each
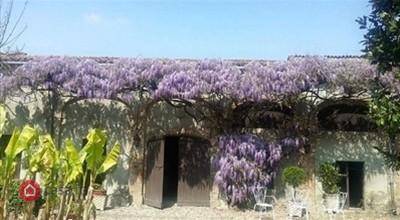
(330, 177)
(294, 176)
(99, 196)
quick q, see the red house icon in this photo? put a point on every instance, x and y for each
(29, 190)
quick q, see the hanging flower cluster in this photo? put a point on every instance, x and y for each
(244, 163)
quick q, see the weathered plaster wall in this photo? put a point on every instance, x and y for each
(357, 146)
(112, 117)
(125, 182)
(78, 119)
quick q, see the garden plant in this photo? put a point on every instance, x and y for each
(62, 174)
(294, 176)
(330, 177)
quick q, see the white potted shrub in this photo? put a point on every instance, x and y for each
(330, 177)
(294, 177)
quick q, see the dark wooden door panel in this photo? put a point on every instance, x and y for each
(194, 172)
(154, 173)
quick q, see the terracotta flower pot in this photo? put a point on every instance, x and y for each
(99, 192)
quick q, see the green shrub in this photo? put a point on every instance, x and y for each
(294, 176)
(15, 203)
(330, 177)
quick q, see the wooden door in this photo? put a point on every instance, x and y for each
(194, 172)
(154, 173)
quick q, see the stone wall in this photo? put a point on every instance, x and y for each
(124, 184)
(357, 146)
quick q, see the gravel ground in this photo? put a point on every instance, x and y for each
(175, 213)
(204, 213)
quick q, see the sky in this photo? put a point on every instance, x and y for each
(221, 29)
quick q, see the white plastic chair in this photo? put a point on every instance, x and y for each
(298, 201)
(338, 208)
(264, 201)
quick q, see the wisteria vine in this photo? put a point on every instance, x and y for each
(246, 162)
(243, 162)
(167, 79)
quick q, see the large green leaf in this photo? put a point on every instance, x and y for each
(20, 141)
(7, 162)
(45, 157)
(10, 149)
(73, 166)
(111, 159)
(35, 159)
(92, 152)
(49, 166)
(3, 116)
(50, 156)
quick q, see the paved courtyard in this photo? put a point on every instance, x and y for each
(203, 213)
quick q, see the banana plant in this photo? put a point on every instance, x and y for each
(71, 163)
(19, 141)
(92, 154)
(59, 169)
(44, 159)
(72, 171)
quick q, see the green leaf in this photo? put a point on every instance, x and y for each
(35, 160)
(50, 156)
(3, 117)
(74, 165)
(10, 149)
(111, 159)
(20, 141)
(92, 152)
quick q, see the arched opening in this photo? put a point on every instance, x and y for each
(177, 172)
(268, 115)
(345, 115)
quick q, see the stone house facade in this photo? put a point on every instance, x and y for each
(176, 164)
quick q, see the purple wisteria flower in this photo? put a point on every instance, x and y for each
(244, 163)
(192, 79)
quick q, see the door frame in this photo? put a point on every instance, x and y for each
(162, 139)
(346, 175)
